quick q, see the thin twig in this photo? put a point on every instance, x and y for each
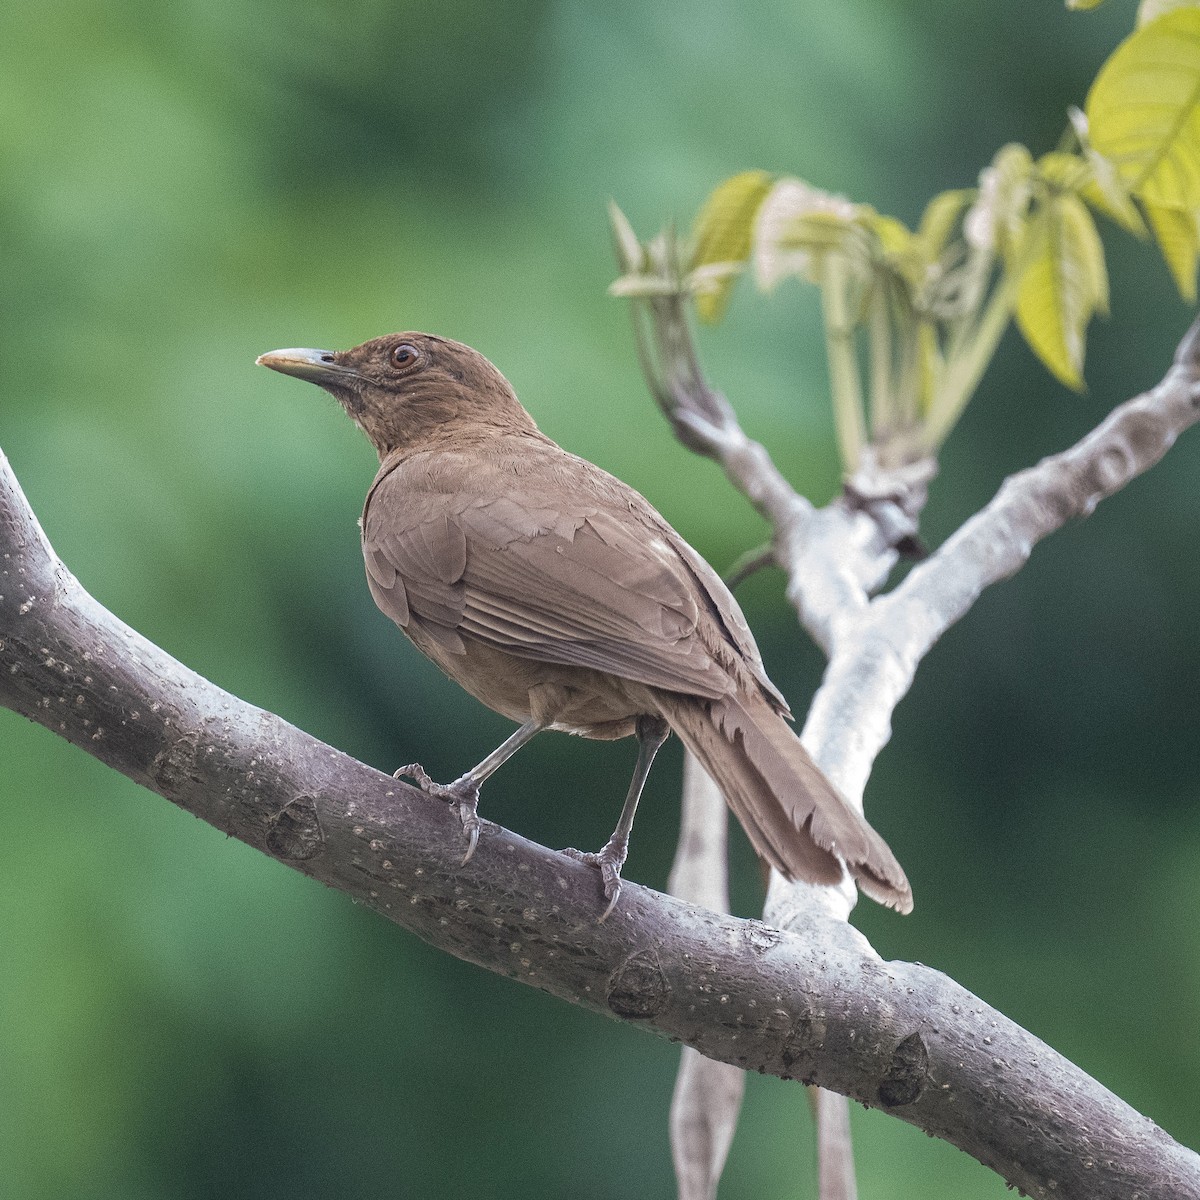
(749, 564)
(835, 1150)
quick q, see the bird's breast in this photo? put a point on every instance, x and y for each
(575, 700)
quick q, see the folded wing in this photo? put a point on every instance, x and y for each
(582, 582)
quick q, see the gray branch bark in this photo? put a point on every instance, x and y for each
(708, 1094)
(818, 1006)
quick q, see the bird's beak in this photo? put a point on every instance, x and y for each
(317, 366)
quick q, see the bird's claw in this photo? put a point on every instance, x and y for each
(462, 795)
(609, 862)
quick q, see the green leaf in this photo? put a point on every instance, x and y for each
(1104, 190)
(1107, 194)
(996, 221)
(1064, 285)
(723, 233)
(629, 249)
(929, 365)
(1083, 5)
(1144, 110)
(780, 235)
(1064, 171)
(937, 222)
(1178, 238)
(1081, 235)
(894, 236)
(642, 285)
(711, 279)
(898, 252)
(818, 235)
(1151, 10)
(816, 240)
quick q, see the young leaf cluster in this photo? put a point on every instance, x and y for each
(913, 317)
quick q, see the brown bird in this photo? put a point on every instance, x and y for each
(559, 597)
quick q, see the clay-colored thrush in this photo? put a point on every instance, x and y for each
(560, 598)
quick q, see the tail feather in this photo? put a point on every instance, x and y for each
(793, 815)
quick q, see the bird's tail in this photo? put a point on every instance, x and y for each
(795, 818)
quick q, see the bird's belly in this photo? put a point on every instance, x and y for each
(570, 699)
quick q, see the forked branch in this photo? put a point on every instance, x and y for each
(838, 557)
(816, 1004)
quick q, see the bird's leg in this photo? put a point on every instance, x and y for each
(463, 793)
(651, 733)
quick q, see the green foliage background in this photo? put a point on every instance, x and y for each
(184, 186)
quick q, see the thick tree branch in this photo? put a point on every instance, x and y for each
(822, 1007)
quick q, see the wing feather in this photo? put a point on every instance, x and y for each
(560, 565)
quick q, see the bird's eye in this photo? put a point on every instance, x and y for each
(405, 355)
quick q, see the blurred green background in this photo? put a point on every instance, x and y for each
(184, 186)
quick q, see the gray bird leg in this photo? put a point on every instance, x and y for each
(651, 733)
(463, 793)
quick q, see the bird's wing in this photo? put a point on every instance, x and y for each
(729, 614)
(568, 582)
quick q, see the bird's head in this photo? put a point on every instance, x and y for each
(408, 389)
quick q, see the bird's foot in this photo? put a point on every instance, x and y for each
(609, 861)
(462, 795)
